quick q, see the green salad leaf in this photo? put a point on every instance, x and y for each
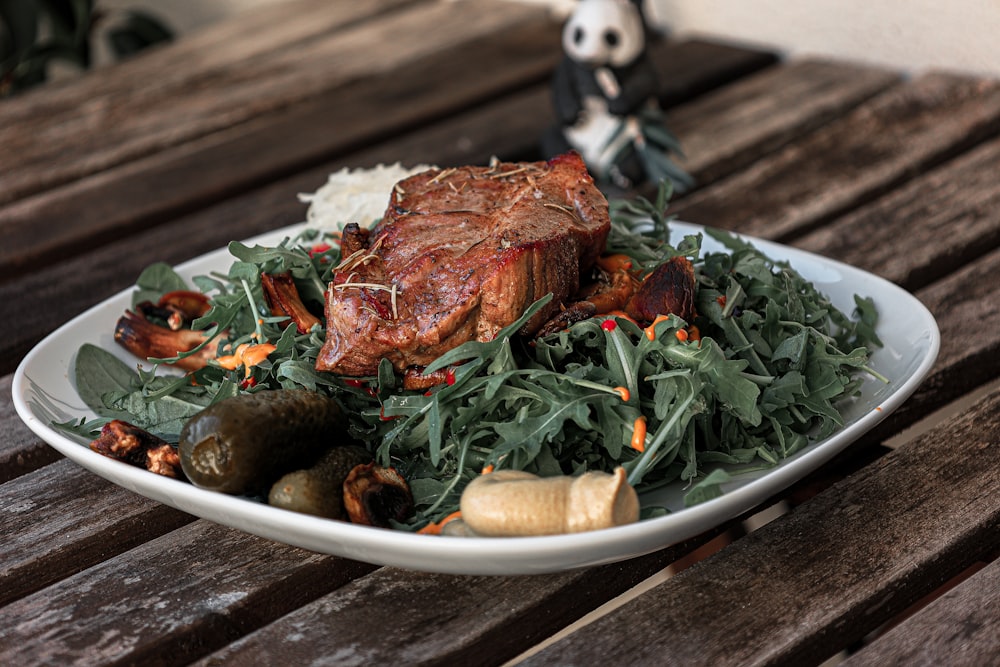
(755, 377)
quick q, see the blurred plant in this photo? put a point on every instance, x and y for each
(37, 33)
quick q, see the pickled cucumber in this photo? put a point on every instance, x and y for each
(243, 444)
(319, 490)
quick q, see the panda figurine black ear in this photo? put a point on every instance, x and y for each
(605, 96)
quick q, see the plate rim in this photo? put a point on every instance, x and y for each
(474, 556)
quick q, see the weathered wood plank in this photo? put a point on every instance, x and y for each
(961, 628)
(411, 88)
(865, 549)
(20, 450)
(966, 308)
(215, 47)
(693, 67)
(168, 601)
(951, 216)
(509, 127)
(727, 129)
(439, 619)
(124, 199)
(194, 87)
(61, 519)
(398, 617)
(853, 160)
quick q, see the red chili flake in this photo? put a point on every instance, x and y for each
(609, 324)
(248, 383)
(351, 382)
(449, 377)
(383, 417)
(721, 300)
(319, 248)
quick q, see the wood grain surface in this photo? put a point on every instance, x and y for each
(957, 629)
(744, 605)
(176, 152)
(854, 159)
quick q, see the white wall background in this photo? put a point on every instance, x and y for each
(910, 35)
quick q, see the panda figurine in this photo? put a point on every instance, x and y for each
(605, 97)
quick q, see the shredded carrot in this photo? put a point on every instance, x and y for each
(612, 263)
(623, 392)
(488, 469)
(694, 333)
(639, 434)
(246, 355)
(651, 329)
(682, 335)
(435, 528)
(622, 314)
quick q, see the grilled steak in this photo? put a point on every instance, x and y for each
(460, 254)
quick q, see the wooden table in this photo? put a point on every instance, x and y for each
(887, 555)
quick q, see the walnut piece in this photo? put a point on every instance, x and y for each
(129, 443)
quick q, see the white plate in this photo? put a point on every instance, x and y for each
(42, 388)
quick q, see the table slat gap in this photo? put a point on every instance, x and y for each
(151, 189)
(200, 586)
(855, 583)
(960, 628)
(951, 214)
(968, 315)
(728, 129)
(117, 127)
(850, 162)
(20, 449)
(442, 619)
(61, 519)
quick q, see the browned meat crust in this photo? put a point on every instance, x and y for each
(460, 254)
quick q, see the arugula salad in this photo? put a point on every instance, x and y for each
(755, 378)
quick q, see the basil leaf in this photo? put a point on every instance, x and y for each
(97, 373)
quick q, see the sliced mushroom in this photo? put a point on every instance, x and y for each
(377, 496)
(283, 297)
(148, 340)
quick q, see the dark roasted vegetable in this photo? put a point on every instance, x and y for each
(319, 490)
(284, 299)
(243, 444)
(135, 446)
(669, 289)
(148, 340)
(377, 496)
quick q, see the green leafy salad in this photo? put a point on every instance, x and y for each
(755, 378)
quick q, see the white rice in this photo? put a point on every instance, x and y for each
(354, 195)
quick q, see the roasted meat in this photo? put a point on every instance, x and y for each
(460, 254)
